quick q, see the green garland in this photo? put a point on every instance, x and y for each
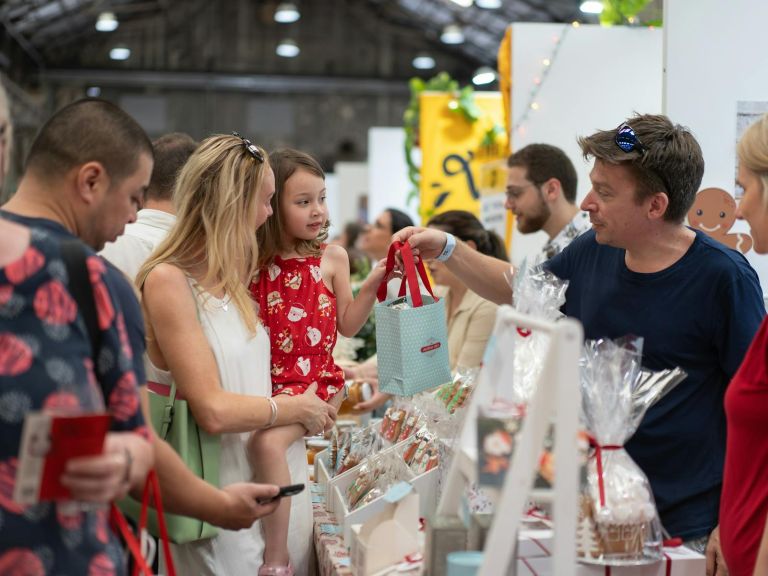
(618, 12)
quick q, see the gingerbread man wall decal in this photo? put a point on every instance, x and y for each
(714, 212)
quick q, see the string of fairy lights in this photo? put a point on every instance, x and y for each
(538, 81)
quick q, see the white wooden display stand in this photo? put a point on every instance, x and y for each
(557, 398)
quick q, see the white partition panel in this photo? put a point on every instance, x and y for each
(388, 175)
(597, 78)
(352, 185)
(713, 60)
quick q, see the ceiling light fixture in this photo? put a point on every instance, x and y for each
(107, 22)
(120, 53)
(591, 7)
(463, 3)
(452, 34)
(423, 61)
(488, 4)
(483, 75)
(287, 49)
(286, 13)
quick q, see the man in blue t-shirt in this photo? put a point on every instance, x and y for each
(640, 270)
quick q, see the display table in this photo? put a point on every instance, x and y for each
(330, 548)
(535, 549)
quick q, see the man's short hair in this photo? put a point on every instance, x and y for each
(171, 153)
(669, 160)
(544, 161)
(89, 130)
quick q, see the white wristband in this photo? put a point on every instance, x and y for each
(450, 246)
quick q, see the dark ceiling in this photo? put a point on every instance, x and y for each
(352, 39)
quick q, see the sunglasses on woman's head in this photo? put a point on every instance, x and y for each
(252, 149)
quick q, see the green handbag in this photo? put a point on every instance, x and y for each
(174, 423)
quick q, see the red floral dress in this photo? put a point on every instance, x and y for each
(299, 311)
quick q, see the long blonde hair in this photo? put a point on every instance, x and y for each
(753, 151)
(214, 197)
(285, 163)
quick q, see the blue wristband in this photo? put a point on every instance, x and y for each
(450, 246)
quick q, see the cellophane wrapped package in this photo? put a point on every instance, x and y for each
(617, 505)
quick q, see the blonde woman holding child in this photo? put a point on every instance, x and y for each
(305, 297)
(204, 334)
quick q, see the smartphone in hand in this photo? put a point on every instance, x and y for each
(285, 492)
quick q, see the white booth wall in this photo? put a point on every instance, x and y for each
(388, 184)
(713, 60)
(597, 78)
(351, 187)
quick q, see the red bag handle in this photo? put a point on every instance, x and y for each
(151, 489)
(118, 521)
(411, 268)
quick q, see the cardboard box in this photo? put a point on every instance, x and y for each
(388, 536)
(424, 484)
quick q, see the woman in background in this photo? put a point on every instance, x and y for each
(470, 317)
(375, 239)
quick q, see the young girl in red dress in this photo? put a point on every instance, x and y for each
(304, 297)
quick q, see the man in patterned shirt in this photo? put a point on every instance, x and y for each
(541, 193)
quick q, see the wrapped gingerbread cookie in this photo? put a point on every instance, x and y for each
(624, 512)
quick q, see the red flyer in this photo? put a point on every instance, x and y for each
(48, 442)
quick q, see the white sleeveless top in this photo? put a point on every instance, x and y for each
(244, 368)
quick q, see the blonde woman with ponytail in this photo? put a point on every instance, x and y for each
(204, 334)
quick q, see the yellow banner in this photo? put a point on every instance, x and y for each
(459, 169)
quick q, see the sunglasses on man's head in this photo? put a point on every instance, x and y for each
(627, 140)
(252, 149)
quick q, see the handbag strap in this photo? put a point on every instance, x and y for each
(167, 419)
(412, 270)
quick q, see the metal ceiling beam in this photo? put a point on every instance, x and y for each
(256, 84)
(25, 45)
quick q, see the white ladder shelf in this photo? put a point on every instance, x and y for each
(557, 398)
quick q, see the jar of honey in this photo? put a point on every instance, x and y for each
(315, 446)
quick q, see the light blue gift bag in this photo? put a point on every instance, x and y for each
(412, 342)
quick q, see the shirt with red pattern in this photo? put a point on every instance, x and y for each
(299, 311)
(46, 363)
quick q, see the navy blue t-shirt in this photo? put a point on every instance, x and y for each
(123, 291)
(700, 314)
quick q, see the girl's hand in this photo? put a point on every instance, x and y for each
(374, 279)
(314, 414)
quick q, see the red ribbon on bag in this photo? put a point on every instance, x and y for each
(412, 270)
(151, 489)
(599, 455)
